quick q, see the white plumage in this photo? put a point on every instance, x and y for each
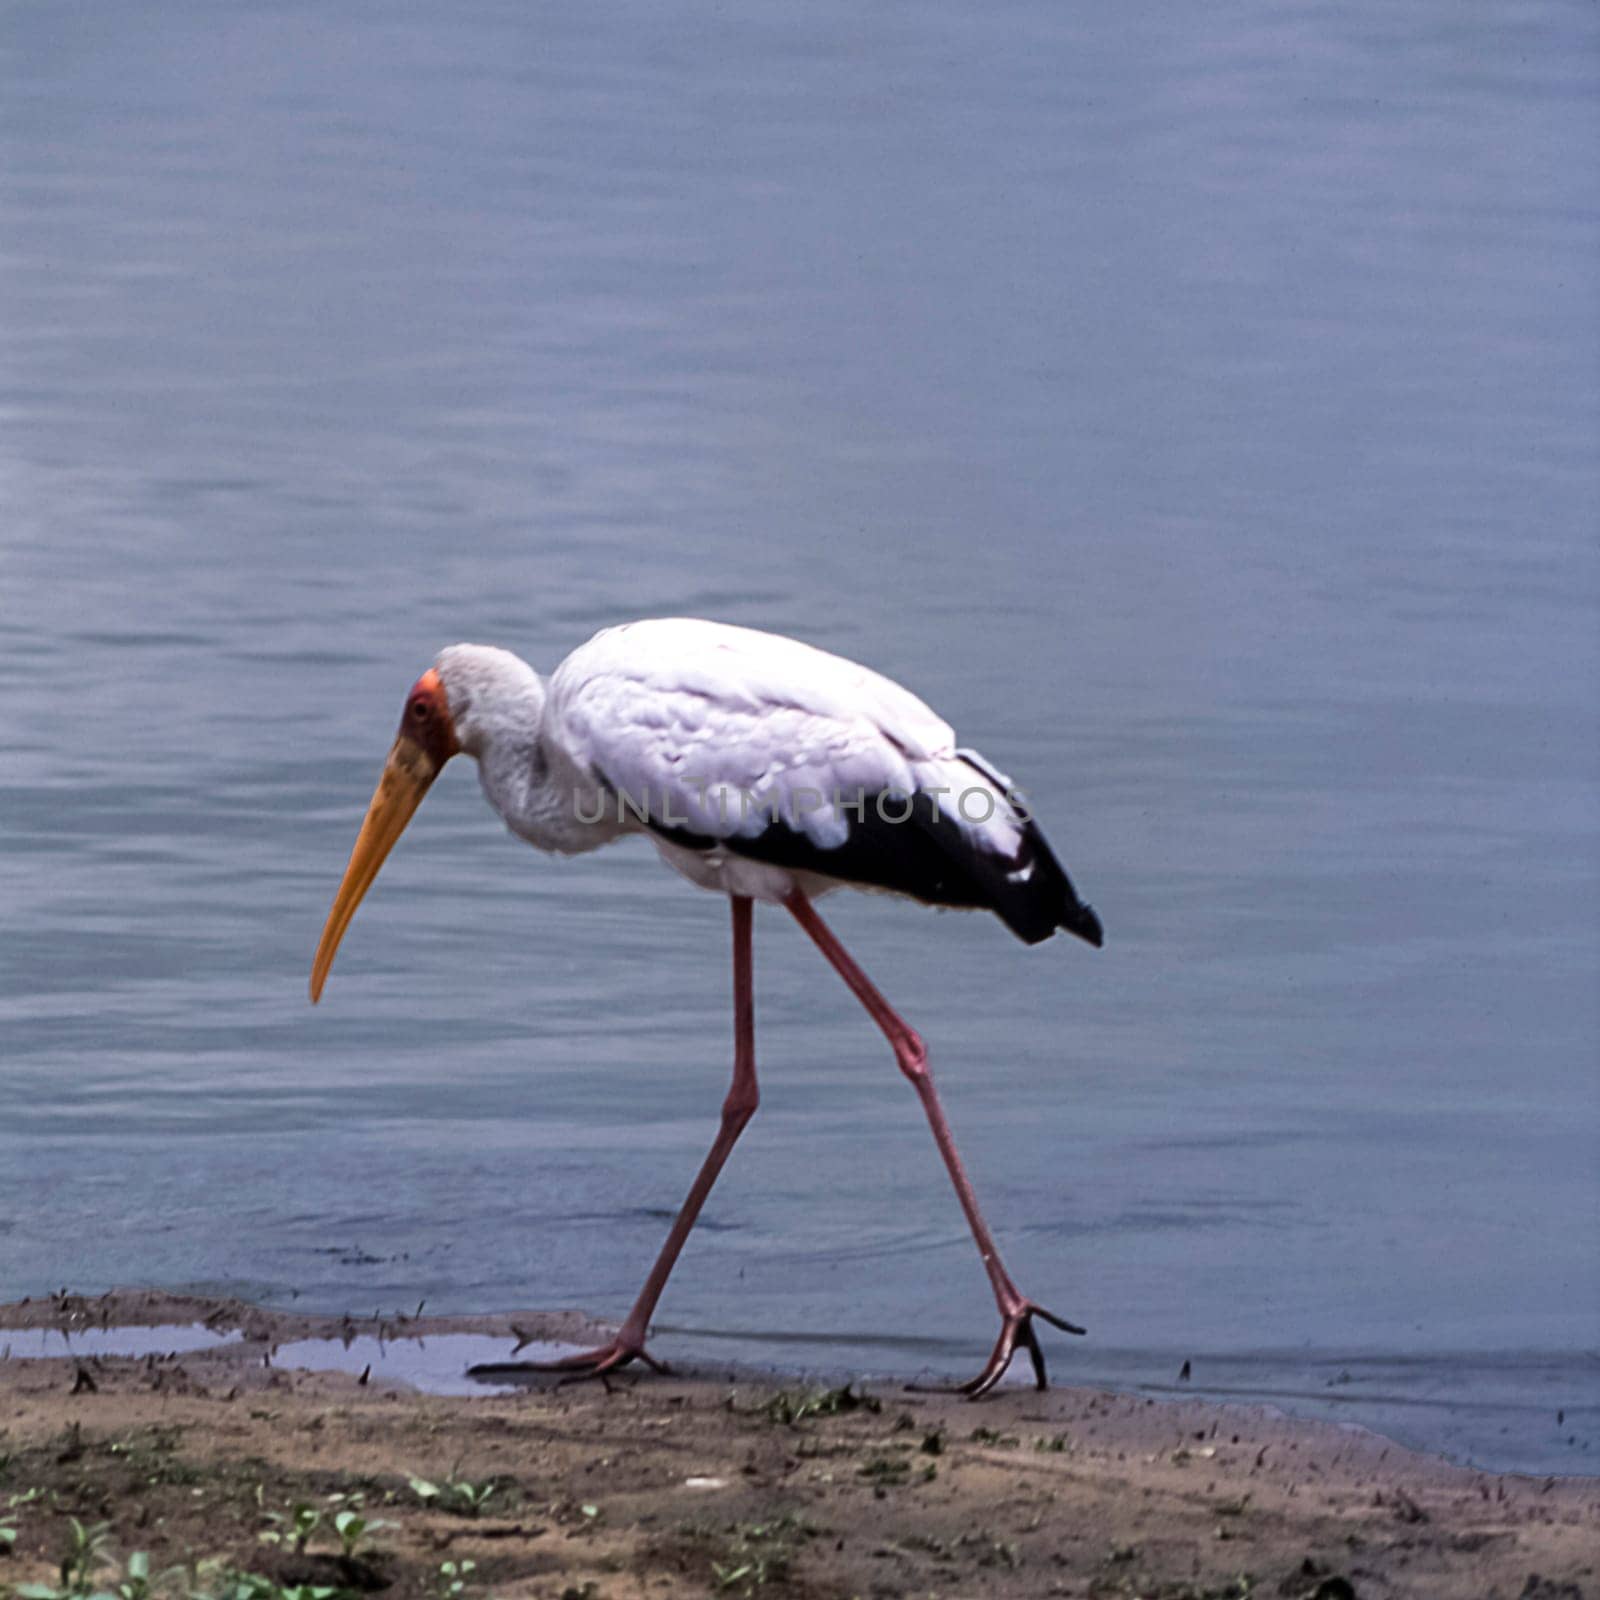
(716, 731)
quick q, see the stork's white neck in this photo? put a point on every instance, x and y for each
(497, 704)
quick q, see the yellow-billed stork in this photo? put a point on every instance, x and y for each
(763, 769)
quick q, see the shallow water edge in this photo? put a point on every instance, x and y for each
(1475, 1402)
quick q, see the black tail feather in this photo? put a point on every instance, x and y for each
(1044, 900)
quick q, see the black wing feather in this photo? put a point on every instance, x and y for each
(929, 857)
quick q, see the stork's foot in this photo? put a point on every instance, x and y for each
(583, 1365)
(1016, 1328)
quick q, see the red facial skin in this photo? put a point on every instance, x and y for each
(426, 719)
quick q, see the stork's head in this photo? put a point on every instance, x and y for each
(471, 696)
(426, 740)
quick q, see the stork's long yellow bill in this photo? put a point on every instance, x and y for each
(407, 775)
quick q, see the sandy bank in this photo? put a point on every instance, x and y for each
(705, 1483)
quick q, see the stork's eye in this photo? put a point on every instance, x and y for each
(420, 709)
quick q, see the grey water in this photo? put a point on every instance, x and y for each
(1197, 405)
(441, 1363)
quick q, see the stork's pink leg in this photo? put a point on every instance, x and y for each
(1016, 1311)
(737, 1110)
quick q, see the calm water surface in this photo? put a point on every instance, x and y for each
(1197, 405)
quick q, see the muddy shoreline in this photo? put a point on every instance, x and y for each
(707, 1482)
